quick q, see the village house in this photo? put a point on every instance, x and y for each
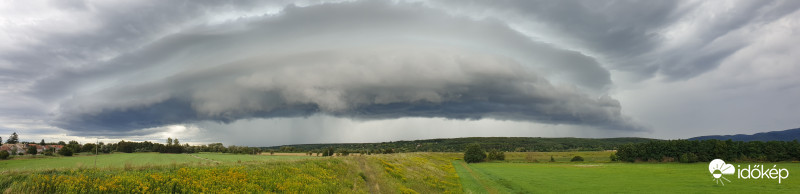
(22, 148)
(11, 147)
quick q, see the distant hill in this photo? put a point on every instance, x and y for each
(459, 144)
(785, 135)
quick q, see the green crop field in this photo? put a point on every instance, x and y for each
(566, 177)
(118, 160)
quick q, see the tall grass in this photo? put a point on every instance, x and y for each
(394, 173)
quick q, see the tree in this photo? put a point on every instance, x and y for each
(176, 142)
(328, 152)
(4, 155)
(74, 146)
(42, 142)
(65, 151)
(169, 141)
(474, 153)
(88, 147)
(31, 150)
(576, 159)
(14, 139)
(494, 154)
(61, 143)
(613, 157)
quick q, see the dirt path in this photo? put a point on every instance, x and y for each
(210, 160)
(480, 181)
(371, 182)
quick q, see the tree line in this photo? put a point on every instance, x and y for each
(505, 144)
(707, 150)
(71, 147)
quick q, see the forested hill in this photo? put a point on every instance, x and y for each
(458, 144)
(785, 135)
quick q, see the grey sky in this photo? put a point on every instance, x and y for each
(283, 72)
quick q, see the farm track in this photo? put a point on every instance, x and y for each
(476, 177)
(210, 160)
(373, 185)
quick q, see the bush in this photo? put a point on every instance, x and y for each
(613, 157)
(4, 155)
(31, 150)
(496, 155)
(576, 159)
(688, 158)
(474, 154)
(328, 152)
(48, 152)
(552, 159)
(66, 151)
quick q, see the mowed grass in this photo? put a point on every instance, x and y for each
(611, 178)
(122, 160)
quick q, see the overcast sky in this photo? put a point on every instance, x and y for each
(264, 73)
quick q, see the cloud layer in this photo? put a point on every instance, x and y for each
(138, 68)
(364, 83)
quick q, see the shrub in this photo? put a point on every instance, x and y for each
(576, 159)
(474, 154)
(328, 152)
(688, 158)
(4, 154)
(613, 157)
(66, 151)
(552, 159)
(31, 150)
(496, 155)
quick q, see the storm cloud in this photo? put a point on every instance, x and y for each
(364, 83)
(142, 68)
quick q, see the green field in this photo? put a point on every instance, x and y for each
(611, 178)
(226, 158)
(387, 173)
(120, 160)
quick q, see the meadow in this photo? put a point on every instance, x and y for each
(229, 173)
(583, 177)
(422, 172)
(120, 160)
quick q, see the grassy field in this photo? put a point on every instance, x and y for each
(593, 156)
(611, 178)
(390, 173)
(229, 173)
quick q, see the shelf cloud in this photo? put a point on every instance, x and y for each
(142, 68)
